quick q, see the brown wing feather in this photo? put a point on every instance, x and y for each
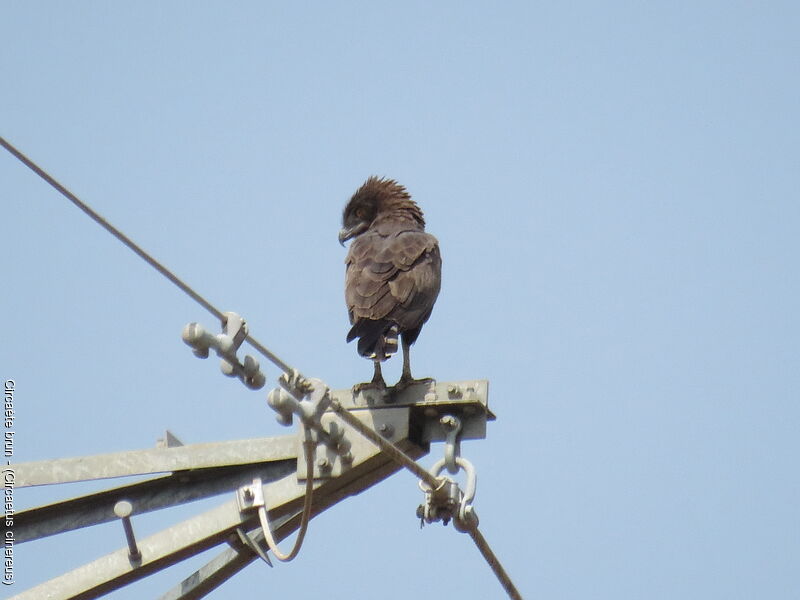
(416, 289)
(394, 277)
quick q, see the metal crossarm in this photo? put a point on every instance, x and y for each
(199, 471)
(146, 496)
(157, 460)
(206, 531)
(186, 473)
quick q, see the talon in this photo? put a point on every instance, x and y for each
(369, 385)
(406, 382)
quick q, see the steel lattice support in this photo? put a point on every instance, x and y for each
(184, 473)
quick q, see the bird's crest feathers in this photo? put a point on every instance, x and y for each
(384, 198)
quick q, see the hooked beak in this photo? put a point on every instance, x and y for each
(346, 234)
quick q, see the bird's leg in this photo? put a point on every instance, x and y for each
(376, 383)
(406, 363)
(406, 379)
(377, 378)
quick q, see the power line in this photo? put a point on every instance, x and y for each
(137, 249)
(494, 563)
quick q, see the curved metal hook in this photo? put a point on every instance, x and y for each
(263, 518)
(463, 463)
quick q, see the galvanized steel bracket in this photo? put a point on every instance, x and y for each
(428, 402)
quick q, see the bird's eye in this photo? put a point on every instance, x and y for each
(361, 213)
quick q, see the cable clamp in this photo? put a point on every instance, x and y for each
(250, 498)
(308, 399)
(447, 501)
(226, 345)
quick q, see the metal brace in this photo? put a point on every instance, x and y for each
(226, 345)
(448, 501)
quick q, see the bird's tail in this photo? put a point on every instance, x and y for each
(377, 340)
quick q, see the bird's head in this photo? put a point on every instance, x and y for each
(378, 197)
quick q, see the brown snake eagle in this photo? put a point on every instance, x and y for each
(394, 271)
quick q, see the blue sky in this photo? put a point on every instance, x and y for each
(614, 189)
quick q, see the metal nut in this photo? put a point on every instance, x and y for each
(454, 390)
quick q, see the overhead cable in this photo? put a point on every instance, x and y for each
(494, 563)
(137, 249)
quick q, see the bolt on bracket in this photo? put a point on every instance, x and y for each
(250, 498)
